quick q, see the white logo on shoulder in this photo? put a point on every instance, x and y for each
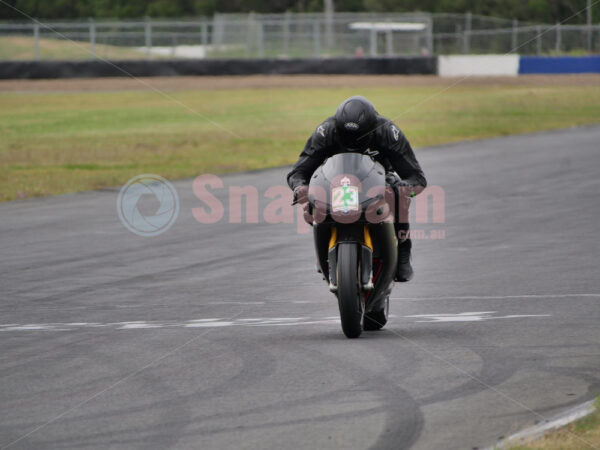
(321, 130)
(353, 126)
(371, 153)
(396, 132)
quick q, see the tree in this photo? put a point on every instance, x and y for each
(543, 11)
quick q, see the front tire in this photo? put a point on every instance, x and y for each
(348, 294)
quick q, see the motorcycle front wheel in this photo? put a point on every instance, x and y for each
(348, 294)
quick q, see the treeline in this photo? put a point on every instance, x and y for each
(545, 11)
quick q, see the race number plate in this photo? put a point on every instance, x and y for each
(344, 198)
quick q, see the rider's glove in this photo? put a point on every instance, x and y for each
(308, 217)
(402, 187)
(394, 180)
(301, 195)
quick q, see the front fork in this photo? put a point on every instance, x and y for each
(354, 237)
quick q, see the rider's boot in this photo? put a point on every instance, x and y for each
(404, 271)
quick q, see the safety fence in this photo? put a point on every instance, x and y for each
(323, 35)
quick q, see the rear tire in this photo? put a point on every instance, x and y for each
(348, 294)
(375, 320)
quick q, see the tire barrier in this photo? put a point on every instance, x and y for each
(451, 65)
(420, 65)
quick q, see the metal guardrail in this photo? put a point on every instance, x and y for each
(290, 35)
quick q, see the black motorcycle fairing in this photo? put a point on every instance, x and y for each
(385, 249)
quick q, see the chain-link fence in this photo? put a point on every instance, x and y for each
(291, 36)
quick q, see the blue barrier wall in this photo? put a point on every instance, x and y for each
(559, 64)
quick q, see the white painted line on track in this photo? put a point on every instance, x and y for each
(195, 323)
(269, 301)
(206, 324)
(493, 297)
(476, 316)
(215, 322)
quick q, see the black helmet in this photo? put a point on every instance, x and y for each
(355, 121)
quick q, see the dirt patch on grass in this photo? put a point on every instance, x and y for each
(288, 81)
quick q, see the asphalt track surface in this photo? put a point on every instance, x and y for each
(223, 336)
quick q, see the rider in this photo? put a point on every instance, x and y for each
(357, 127)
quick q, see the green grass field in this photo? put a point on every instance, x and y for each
(59, 142)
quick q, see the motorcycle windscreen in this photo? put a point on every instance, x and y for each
(345, 185)
(348, 163)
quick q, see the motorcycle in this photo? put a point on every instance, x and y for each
(353, 226)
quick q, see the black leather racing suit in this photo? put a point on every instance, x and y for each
(388, 146)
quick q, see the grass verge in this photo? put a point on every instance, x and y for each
(579, 435)
(23, 48)
(58, 142)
